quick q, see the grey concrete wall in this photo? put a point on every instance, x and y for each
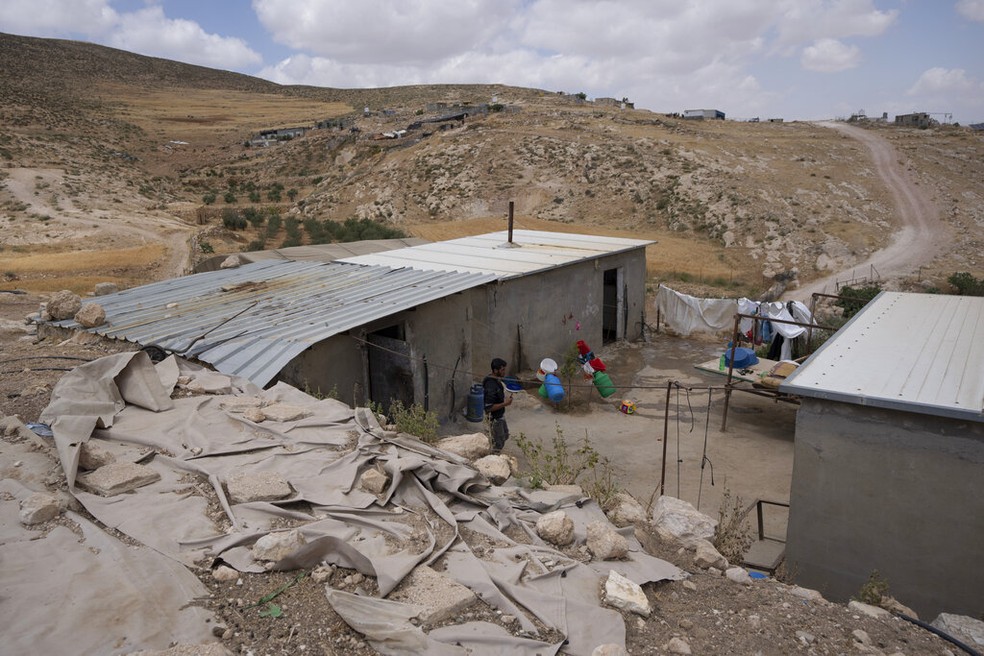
(527, 319)
(891, 491)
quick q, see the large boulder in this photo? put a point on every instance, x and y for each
(627, 510)
(470, 447)
(624, 594)
(64, 305)
(91, 315)
(495, 468)
(963, 628)
(279, 545)
(605, 543)
(682, 519)
(556, 528)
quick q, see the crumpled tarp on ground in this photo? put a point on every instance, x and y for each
(124, 402)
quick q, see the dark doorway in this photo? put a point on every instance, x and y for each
(390, 368)
(612, 328)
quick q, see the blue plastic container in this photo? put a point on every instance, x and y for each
(475, 408)
(744, 357)
(555, 390)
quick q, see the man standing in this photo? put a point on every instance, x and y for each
(495, 404)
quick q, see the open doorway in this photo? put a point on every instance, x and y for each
(390, 367)
(613, 306)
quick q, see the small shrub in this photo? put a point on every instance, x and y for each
(852, 306)
(603, 487)
(206, 247)
(966, 284)
(414, 420)
(559, 465)
(209, 198)
(732, 537)
(873, 590)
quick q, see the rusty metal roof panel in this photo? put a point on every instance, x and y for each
(921, 353)
(254, 319)
(531, 251)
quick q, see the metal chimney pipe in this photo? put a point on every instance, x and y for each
(510, 220)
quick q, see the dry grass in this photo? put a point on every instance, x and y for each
(76, 270)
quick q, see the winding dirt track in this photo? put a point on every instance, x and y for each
(920, 234)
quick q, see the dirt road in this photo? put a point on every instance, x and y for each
(920, 234)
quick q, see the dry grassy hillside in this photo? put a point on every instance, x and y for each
(121, 163)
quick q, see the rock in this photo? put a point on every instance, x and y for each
(495, 468)
(64, 305)
(254, 415)
(279, 545)
(714, 571)
(241, 404)
(374, 481)
(439, 596)
(117, 478)
(682, 519)
(91, 315)
(257, 486)
(806, 593)
(893, 605)
(285, 412)
(690, 585)
(805, 637)
(862, 637)
(556, 528)
(624, 594)
(225, 573)
(963, 628)
(230, 262)
(605, 543)
(627, 511)
(867, 609)
(705, 555)
(738, 575)
(104, 288)
(38, 508)
(470, 447)
(322, 573)
(93, 455)
(677, 646)
(754, 621)
(610, 649)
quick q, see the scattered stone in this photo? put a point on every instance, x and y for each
(374, 481)
(610, 649)
(64, 305)
(277, 546)
(754, 621)
(470, 447)
(738, 575)
(556, 528)
(322, 573)
(685, 624)
(805, 637)
(224, 573)
(495, 468)
(254, 415)
(117, 478)
(690, 585)
(867, 609)
(38, 508)
(893, 605)
(682, 519)
(806, 593)
(706, 555)
(624, 594)
(862, 637)
(231, 262)
(509, 619)
(677, 646)
(714, 571)
(355, 579)
(240, 404)
(93, 455)
(257, 486)
(439, 596)
(104, 288)
(963, 628)
(285, 412)
(605, 543)
(91, 315)
(627, 511)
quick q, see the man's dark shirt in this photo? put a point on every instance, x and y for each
(494, 394)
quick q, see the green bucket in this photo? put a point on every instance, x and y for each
(543, 392)
(603, 384)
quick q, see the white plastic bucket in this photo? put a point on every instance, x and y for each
(547, 366)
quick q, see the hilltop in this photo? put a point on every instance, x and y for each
(135, 157)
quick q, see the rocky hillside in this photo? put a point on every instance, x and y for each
(125, 136)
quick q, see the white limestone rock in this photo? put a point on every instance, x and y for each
(705, 555)
(682, 519)
(738, 575)
(470, 447)
(39, 507)
(285, 412)
(867, 609)
(605, 543)
(231, 262)
(91, 315)
(374, 481)
(93, 455)
(806, 593)
(117, 478)
(627, 511)
(625, 594)
(963, 628)
(678, 645)
(495, 468)
(225, 573)
(279, 545)
(556, 528)
(63, 305)
(245, 487)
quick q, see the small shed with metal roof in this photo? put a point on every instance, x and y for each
(889, 454)
(416, 324)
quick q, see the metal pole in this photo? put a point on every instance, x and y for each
(731, 368)
(666, 434)
(510, 221)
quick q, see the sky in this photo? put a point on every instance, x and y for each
(790, 59)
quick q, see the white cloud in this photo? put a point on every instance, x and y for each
(803, 21)
(942, 80)
(830, 56)
(150, 32)
(56, 18)
(382, 31)
(971, 9)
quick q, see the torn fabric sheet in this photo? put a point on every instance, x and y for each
(684, 314)
(434, 502)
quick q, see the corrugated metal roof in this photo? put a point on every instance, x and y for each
(914, 352)
(315, 253)
(532, 251)
(252, 320)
